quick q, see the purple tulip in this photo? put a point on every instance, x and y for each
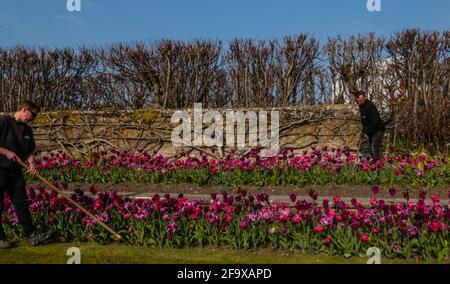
(284, 230)
(392, 191)
(375, 189)
(313, 195)
(376, 230)
(52, 220)
(395, 246)
(171, 227)
(93, 190)
(422, 195)
(325, 203)
(293, 197)
(244, 224)
(406, 195)
(413, 231)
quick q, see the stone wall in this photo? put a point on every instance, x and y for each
(78, 132)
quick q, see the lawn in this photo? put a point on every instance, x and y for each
(91, 253)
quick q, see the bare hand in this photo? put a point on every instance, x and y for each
(12, 156)
(32, 169)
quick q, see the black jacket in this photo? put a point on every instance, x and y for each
(16, 137)
(370, 118)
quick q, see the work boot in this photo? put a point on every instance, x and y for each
(37, 238)
(5, 244)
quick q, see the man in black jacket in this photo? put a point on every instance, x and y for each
(17, 144)
(373, 125)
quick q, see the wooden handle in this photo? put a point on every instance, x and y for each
(63, 194)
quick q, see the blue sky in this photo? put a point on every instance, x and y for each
(48, 23)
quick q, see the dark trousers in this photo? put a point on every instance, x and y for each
(12, 181)
(375, 144)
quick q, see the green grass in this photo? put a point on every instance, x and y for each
(92, 253)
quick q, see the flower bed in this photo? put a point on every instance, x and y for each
(403, 229)
(318, 166)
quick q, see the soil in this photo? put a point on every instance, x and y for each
(343, 191)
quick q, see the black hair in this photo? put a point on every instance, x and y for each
(360, 93)
(30, 105)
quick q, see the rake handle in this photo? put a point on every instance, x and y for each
(63, 194)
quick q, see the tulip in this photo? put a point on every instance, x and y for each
(313, 194)
(422, 194)
(244, 224)
(296, 219)
(435, 198)
(293, 197)
(392, 191)
(364, 238)
(318, 229)
(98, 204)
(336, 199)
(406, 195)
(434, 226)
(375, 189)
(171, 227)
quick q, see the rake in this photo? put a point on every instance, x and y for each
(63, 194)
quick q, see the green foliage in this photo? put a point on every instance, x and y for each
(318, 176)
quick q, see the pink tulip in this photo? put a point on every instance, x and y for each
(318, 229)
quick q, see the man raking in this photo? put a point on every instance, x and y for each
(17, 144)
